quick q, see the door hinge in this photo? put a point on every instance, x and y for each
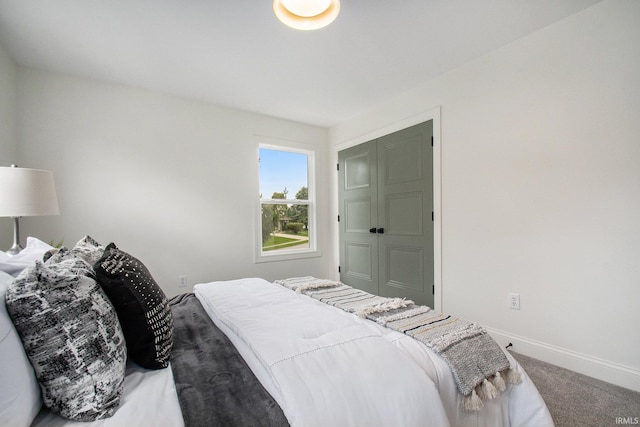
(338, 269)
(432, 216)
(338, 166)
(338, 218)
(432, 141)
(433, 289)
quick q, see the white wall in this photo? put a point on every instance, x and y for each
(172, 181)
(8, 75)
(541, 189)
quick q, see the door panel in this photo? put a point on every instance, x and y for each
(404, 213)
(403, 158)
(357, 170)
(357, 215)
(405, 267)
(359, 261)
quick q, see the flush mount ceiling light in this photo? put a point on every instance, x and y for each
(306, 14)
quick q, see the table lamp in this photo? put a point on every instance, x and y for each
(26, 192)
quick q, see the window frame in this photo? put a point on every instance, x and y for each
(284, 254)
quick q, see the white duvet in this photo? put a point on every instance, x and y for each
(326, 367)
(323, 368)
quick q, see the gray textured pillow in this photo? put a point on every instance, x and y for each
(72, 337)
(89, 250)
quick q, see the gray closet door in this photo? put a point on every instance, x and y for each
(405, 204)
(358, 201)
(386, 227)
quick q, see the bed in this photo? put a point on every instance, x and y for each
(253, 352)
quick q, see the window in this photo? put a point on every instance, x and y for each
(287, 213)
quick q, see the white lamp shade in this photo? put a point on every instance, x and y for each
(27, 192)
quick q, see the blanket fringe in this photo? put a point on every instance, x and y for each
(311, 286)
(421, 309)
(486, 390)
(498, 382)
(489, 389)
(388, 305)
(472, 402)
(513, 376)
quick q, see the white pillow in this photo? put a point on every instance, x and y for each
(34, 251)
(19, 391)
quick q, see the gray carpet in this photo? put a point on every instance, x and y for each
(581, 401)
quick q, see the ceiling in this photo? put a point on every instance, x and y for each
(235, 53)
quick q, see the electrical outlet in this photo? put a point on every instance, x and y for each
(514, 301)
(182, 281)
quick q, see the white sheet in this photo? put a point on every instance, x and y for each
(327, 368)
(149, 399)
(249, 310)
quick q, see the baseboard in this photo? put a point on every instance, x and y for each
(622, 376)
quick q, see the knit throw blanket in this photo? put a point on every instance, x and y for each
(479, 366)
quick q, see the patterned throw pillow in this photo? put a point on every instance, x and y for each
(142, 307)
(89, 250)
(70, 261)
(72, 337)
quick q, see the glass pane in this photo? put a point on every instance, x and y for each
(283, 175)
(284, 227)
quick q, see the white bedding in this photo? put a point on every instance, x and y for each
(307, 365)
(149, 399)
(327, 369)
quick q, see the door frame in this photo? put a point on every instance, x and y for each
(433, 114)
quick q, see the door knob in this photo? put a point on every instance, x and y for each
(372, 230)
(380, 230)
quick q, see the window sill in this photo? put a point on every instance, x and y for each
(286, 255)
